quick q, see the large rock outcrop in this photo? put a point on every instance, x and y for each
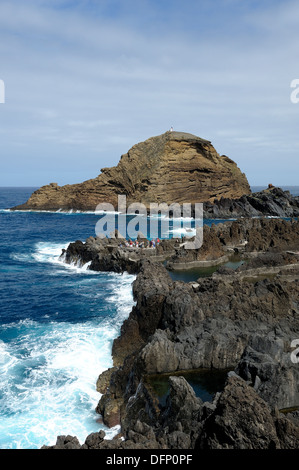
(243, 320)
(173, 167)
(179, 326)
(271, 201)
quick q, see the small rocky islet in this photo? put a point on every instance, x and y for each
(174, 167)
(240, 320)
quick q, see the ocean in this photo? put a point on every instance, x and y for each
(57, 325)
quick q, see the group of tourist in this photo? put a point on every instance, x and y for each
(140, 243)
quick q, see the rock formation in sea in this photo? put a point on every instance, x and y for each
(241, 320)
(272, 201)
(175, 167)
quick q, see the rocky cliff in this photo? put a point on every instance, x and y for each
(173, 167)
(244, 320)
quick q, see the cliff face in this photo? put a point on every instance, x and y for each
(244, 320)
(173, 167)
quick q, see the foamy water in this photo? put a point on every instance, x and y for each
(49, 368)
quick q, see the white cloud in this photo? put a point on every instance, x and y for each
(83, 87)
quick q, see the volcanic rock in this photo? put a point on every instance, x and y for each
(233, 320)
(241, 420)
(272, 201)
(174, 167)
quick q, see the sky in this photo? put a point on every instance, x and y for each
(85, 80)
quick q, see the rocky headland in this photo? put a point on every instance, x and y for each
(239, 320)
(175, 167)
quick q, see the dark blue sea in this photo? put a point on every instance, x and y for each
(57, 325)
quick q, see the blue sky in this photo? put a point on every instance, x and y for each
(87, 79)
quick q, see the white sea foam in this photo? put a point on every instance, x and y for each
(7, 360)
(60, 211)
(52, 253)
(44, 252)
(183, 231)
(48, 252)
(49, 374)
(49, 369)
(57, 375)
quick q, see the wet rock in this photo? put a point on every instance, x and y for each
(104, 379)
(109, 408)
